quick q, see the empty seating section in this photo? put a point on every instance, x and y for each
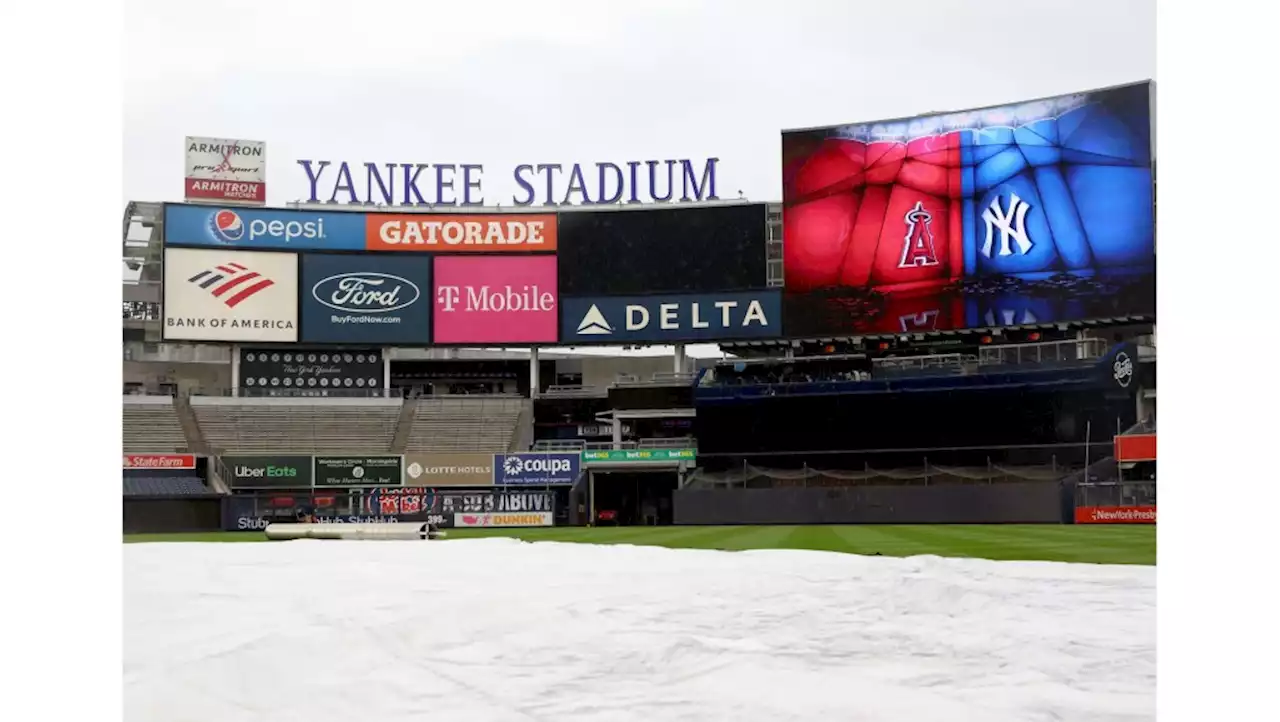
(465, 424)
(165, 486)
(299, 427)
(152, 427)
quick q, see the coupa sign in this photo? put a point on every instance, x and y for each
(536, 468)
(671, 318)
(366, 299)
(450, 184)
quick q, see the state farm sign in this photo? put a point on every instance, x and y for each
(494, 300)
(224, 169)
(159, 461)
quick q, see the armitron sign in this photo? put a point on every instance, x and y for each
(225, 169)
(159, 461)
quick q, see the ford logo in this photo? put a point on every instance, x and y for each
(366, 292)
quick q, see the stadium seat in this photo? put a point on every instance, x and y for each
(303, 427)
(165, 486)
(465, 424)
(152, 427)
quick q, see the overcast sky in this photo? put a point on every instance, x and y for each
(504, 82)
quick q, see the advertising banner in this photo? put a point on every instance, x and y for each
(463, 233)
(495, 501)
(268, 472)
(225, 295)
(495, 300)
(223, 169)
(666, 318)
(634, 251)
(537, 468)
(638, 455)
(346, 471)
(159, 461)
(1135, 447)
(272, 372)
(1115, 515)
(269, 229)
(1031, 213)
(544, 518)
(384, 300)
(448, 469)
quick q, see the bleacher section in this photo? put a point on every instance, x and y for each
(151, 426)
(475, 423)
(277, 426)
(165, 486)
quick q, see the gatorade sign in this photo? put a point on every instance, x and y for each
(551, 468)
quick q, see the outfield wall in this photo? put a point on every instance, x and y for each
(1012, 503)
(170, 515)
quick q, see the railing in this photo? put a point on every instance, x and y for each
(560, 445)
(659, 378)
(259, 392)
(1046, 352)
(574, 392)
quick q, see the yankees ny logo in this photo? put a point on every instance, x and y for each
(1012, 226)
(917, 247)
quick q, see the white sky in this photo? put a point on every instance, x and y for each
(503, 82)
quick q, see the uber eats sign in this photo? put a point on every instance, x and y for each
(268, 472)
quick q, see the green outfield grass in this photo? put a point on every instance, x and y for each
(1119, 544)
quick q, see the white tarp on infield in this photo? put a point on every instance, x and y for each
(313, 631)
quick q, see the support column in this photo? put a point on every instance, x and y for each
(386, 372)
(678, 366)
(235, 370)
(533, 372)
(616, 427)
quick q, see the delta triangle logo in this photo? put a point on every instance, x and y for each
(594, 323)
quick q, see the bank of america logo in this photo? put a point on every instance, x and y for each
(594, 323)
(231, 280)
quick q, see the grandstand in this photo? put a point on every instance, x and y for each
(151, 425)
(301, 426)
(465, 424)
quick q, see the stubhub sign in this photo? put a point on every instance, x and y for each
(667, 318)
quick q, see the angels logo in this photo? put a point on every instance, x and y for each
(917, 247)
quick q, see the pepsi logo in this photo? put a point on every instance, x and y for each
(227, 226)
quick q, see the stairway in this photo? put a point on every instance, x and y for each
(404, 427)
(190, 427)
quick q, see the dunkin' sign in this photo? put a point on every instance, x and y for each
(494, 300)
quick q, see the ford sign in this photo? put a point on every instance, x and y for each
(366, 292)
(366, 299)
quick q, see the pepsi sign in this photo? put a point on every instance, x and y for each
(234, 227)
(538, 469)
(366, 299)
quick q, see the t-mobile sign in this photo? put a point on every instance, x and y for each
(495, 300)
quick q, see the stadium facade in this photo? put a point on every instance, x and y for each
(946, 319)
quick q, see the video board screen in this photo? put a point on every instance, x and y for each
(1031, 213)
(632, 251)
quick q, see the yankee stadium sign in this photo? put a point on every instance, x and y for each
(551, 184)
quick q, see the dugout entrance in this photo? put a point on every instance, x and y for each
(630, 496)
